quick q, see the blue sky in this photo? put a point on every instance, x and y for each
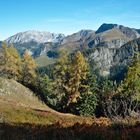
(65, 16)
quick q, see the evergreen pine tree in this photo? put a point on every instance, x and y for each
(61, 78)
(131, 84)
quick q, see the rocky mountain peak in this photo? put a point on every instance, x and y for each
(129, 32)
(104, 27)
(35, 36)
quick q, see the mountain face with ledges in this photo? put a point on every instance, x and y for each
(108, 60)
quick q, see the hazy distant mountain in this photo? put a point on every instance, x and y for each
(35, 36)
(36, 42)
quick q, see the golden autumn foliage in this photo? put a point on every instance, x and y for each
(9, 62)
(28, 66)
(14, 67)
(69, 75)
(79, 71)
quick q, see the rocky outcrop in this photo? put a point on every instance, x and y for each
(108, 58)
(112, 38)
(127, 51)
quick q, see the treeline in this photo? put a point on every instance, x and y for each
(71, 86)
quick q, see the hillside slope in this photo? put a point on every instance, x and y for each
(11, 91)
(19, 105)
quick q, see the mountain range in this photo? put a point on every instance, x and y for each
(111, 46)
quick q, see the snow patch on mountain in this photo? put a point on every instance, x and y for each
(35, 36)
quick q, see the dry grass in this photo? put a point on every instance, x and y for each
(11, 91)
(24, 116)
(113, 34)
